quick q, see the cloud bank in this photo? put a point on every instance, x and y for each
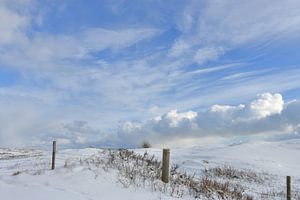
(267, 116)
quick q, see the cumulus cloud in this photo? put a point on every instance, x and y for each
(174, 118)
(267, 105)
(266, 115)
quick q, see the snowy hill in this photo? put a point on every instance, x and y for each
(257, 169)
(272, 157)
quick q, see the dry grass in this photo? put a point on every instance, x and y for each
(208, 187)
(144, 171)
(229, 172)
(136, 170)
(16, 173)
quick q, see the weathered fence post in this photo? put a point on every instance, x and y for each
(288, 188)
(165, 165)
(53, 155)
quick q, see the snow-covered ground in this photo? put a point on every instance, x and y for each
(25, 174)
(280, 158)
(27, 177)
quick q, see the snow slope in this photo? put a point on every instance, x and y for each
(36, 181)
(279, 158)
(25, 174)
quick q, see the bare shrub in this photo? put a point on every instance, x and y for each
(205, 187)
(233, 173)
(146, 144)
(9, 154)
(16, 173)
(273, 194)
(144, 170)
(135, 170)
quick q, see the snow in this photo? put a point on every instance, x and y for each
(36, 181)
(80, 185)
(273, 157)
(25, 174)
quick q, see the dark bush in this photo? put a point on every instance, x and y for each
(146, 144)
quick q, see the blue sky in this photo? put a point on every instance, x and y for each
(82, 71)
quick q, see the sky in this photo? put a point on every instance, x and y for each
(176, 73)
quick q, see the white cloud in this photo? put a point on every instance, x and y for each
(46, 51)
(62, 80)
(206, 54)
(74, 134)
(228, 25)
(226, 108)
(267, 115)
(129, 127)
(271, 19)
(179, 47)
(55, 52)
(267, 105)
(12, 25)
(19, 122)
(98, 38)
(175, 118)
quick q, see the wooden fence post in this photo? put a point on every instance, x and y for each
(166, 165)
(288, 188)
(53, 155)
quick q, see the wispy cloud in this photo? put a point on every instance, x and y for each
(227, 25)
(145, 62)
